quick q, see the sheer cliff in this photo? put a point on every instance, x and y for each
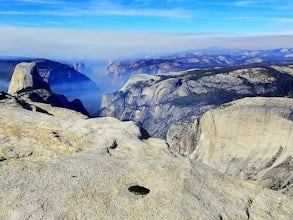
(158, 101)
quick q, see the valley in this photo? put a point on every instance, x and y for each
(200, 143)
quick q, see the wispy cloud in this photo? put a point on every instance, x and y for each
(246, 3)
(164, 13)
(142, 2)
(17, 13)
(21, 23)
(259, 3)
(103, 8)
(127, 12)
(108, 8)
(53, 22)
(259, 18)
(283, 20)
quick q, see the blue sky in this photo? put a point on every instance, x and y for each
(246, 16)
(190, 24)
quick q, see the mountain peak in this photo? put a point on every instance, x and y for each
(26, 76)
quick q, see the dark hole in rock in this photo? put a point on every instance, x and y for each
(114, 145)
(138, 190)
(56, 135)
(2, 159)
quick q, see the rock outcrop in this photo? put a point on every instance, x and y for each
(56, 168)
(62, 79)
(252, 139)
(156, 102)
(26, 76)
(27, 84)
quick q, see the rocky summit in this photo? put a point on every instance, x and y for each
(158, 101)
(27, 84)
(54, 167)
(26, 76)
(62, 79)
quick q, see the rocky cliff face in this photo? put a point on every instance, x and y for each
(27, 84)
(62, 78)
(56, 168)
(251, 138)
(182, 137)
(26, 76)
(158, 101)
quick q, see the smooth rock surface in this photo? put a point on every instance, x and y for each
(26, 76)
(252, 139)
(54, 168)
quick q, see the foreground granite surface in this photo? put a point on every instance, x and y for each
(55, 167)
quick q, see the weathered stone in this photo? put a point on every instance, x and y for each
(68, 169)
(26, 77)
(182, 137)
(252, 139)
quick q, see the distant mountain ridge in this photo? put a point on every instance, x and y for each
(121, 71)
(62, 78)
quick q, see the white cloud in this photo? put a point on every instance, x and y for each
(71, 44)
(53, 22)
(244, 3)
(164, 13)
(276, 4)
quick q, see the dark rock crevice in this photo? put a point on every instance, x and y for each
(249, 203)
